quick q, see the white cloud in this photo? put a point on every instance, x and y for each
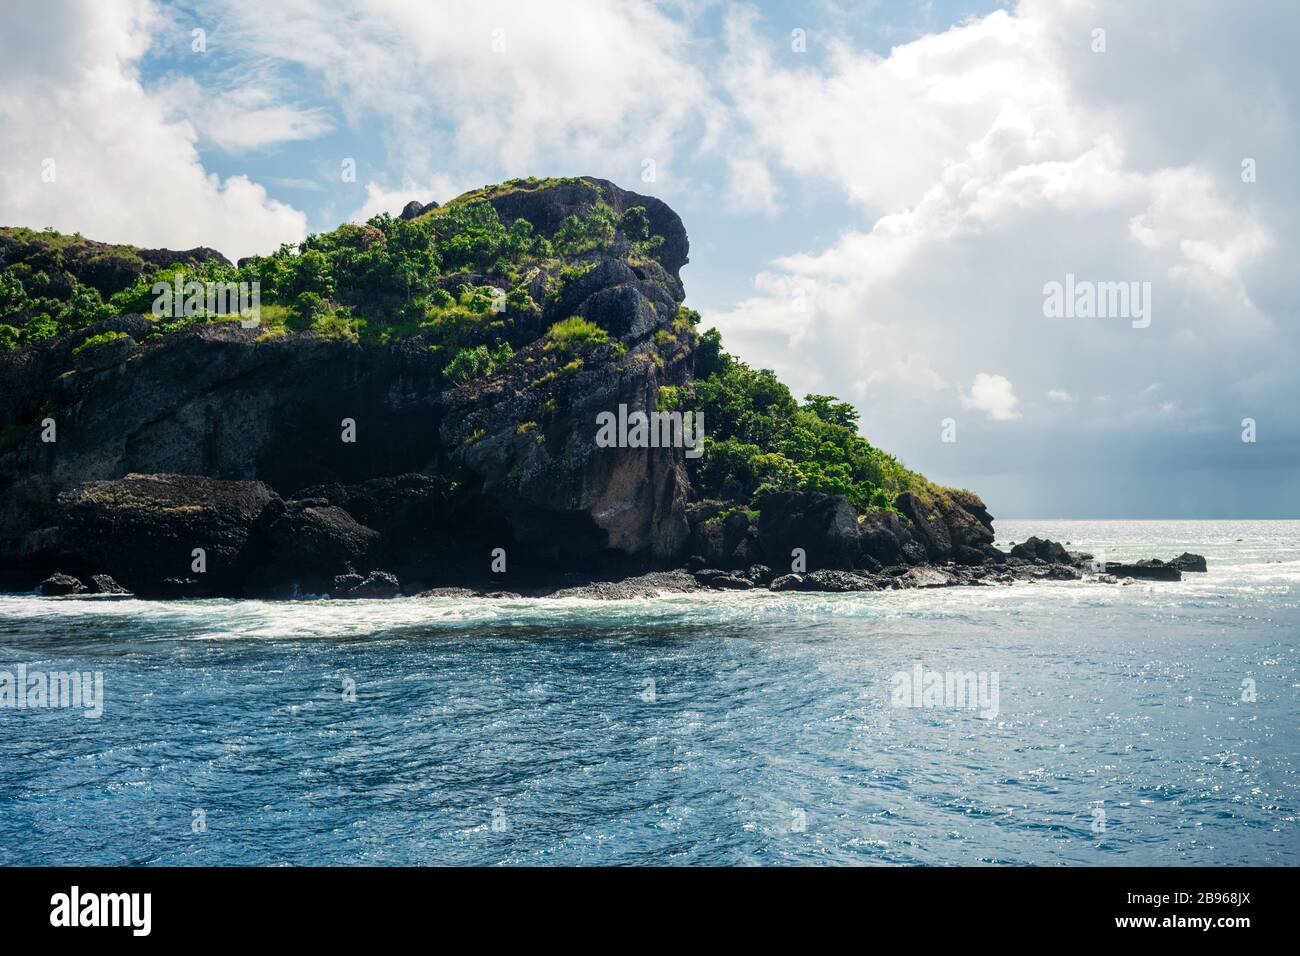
(750, 187)
(491, 86)
(382, 199)
(245, 118)
(70, 92)
(993, 395)
(1000, 155)
(1059, 395)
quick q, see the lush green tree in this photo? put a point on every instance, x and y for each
(761, 440)
(829, 409)
(13, 296)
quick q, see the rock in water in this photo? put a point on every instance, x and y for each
(1041, 549)
(148, 530)
(59, 585)
(1153, 569)
(104, 584)
(377, 584)
(1189, 562)
(927, 577)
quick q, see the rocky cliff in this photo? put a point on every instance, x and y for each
(416, 407)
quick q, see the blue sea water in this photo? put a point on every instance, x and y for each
(737, 728)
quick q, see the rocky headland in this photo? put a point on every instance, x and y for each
(415, 411)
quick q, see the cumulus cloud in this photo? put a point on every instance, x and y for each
(994, 395)
(497, 87)
(913, 203)
(244, 118)
(998, 156)
(72, 102)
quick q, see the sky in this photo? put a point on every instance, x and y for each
(879, 194)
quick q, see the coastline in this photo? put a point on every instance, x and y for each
(1078, 566)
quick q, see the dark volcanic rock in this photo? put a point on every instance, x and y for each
(838, 581)
(304, 545)
(732, 582)
(1042, 549)
(965, 554)
(651, 584)
(105, 355)
(882, 535)
(914, 552)
(414, 517)
(1153, 569)
(104, 584)
(143, 530)
(546, 207)
(927, 577)
(787, 582)
(1189, 562)
(564, 498)
(58, 585)
(225, 402)
(928, 525)
(824, 526)
(947, 519)
(722, 536)
(377, 584)
(992, 555)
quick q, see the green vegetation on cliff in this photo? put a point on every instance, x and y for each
(759, 439)
(474, 290)
(467, 283)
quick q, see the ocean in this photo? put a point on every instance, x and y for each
(1106, 724)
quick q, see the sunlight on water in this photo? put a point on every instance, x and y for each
(719, 728)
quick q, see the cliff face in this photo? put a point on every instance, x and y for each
(418, 407)
(512, 452)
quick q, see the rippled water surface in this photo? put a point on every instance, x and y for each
(723, 729)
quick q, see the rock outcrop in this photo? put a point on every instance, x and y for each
(1190, 562)
(223, 438)
(1153, 569)
(205, 458)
